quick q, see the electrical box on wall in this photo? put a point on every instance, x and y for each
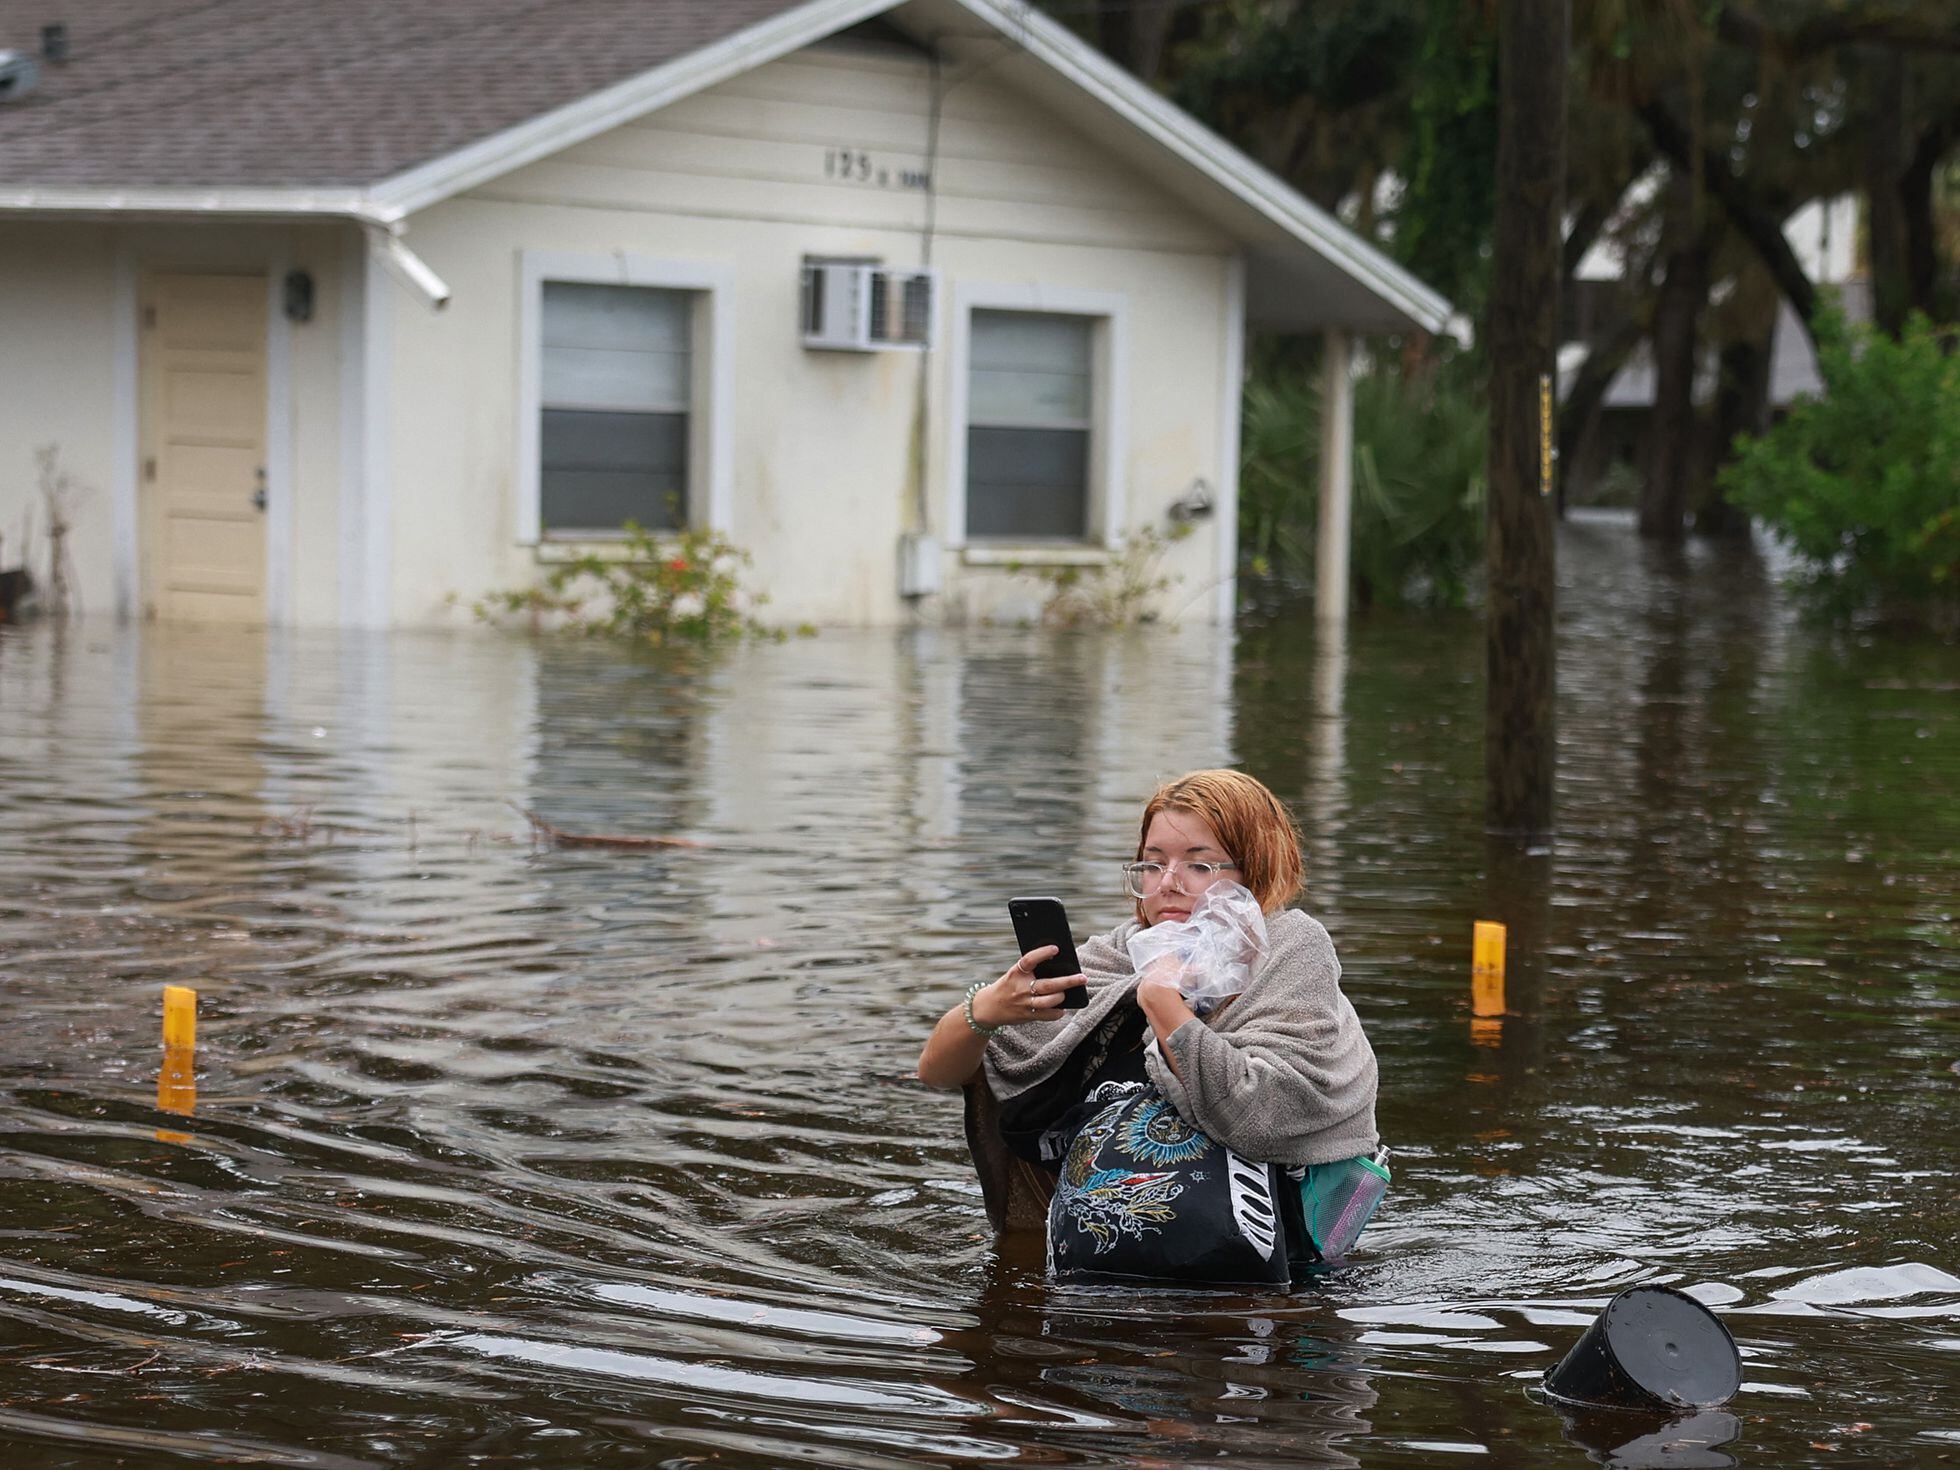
(918, 565)
(865, 306)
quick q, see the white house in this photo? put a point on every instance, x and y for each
(345, 313)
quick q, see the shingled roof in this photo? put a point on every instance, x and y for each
(316, 93)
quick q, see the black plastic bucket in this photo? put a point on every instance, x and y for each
(1652, 1348)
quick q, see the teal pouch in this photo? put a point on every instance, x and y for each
(1338, 1199)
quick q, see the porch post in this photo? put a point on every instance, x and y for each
(366, 444)
(1336, 480)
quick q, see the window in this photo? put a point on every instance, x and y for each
(1030, 411)
(615, 391)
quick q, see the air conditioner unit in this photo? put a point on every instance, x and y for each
(862, 306)
(19, 75)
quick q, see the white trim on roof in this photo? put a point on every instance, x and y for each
(552, 132)
(43, 199)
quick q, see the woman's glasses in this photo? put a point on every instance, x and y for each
(1144, 879)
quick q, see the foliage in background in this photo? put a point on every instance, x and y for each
(1863, 483)
(1442, 219)
(679, 587)
(1115, 593)
(1419, 448)
(1318, 93)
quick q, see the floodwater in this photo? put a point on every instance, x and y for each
(507, 1154)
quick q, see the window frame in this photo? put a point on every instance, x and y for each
(1108, 415)
(711, 388)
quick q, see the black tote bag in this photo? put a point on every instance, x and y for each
(1143, 1196)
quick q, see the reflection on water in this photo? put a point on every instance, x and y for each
(512, 1154)
(1646, 1442)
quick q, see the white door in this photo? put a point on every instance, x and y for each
(203, 462)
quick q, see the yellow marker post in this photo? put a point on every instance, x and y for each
(177, 1080)
(1547, 443)
(1487, 969)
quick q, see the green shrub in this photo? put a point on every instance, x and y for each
(1279, 446)
(1419, 447)
(1863, 482)
(681, 587)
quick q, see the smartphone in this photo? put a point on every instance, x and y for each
(1039, 921)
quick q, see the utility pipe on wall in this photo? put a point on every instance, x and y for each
(1336, 480)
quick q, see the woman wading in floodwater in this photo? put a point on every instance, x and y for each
(1279, 1073)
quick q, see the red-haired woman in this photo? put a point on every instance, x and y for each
(1280, 1073)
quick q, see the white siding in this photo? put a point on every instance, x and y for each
(772, 145)
(57, 353)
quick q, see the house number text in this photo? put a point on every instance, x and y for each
(856, 166)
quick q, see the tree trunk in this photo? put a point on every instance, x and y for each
(1134, 35)
(1677, 321)
(1921, 228)
(1578, 416)
(1521, 670)
(1741, 409)
(1885, 212)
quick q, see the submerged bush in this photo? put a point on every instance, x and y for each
(682, 586)
(1863, 482)
(1108, 594)
(1419, 447)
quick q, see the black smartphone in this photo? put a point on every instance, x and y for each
(1039, 921)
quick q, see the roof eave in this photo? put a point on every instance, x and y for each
(382, 228)
(190, 203)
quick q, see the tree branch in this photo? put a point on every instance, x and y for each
(1603, 363)
(1755, 222)
(1742, 26)
(1586, 225)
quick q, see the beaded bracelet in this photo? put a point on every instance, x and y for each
(966, 1009)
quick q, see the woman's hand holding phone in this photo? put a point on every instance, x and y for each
(1047, 948)
(1019, 996)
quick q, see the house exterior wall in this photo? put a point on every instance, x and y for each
(816, 154)
(57, 302)
(69, 348)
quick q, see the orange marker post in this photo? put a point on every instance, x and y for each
(177, 1080)
(179, 1016)
(1487, 969)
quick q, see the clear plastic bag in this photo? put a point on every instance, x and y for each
(1215, 952)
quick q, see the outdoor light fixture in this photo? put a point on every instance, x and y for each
(299, 296)
(1194, 504)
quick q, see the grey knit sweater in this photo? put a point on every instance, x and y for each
(1282, 1075)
